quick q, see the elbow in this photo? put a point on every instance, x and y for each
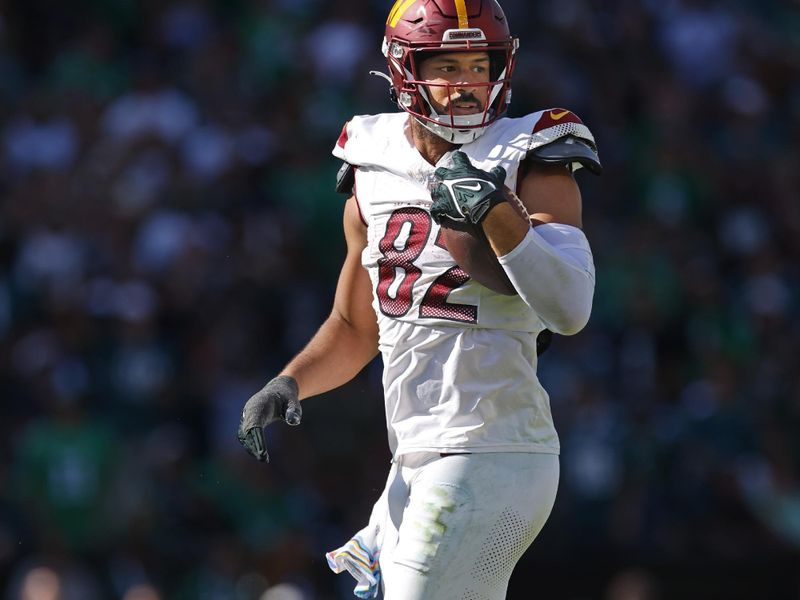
(557, 282)
(571, 315)
(569, 324)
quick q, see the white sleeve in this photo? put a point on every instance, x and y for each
(553, 271)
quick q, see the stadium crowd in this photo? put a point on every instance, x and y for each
(169, 236)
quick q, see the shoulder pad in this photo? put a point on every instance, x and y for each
(560, 137)
(346, 178)
(566, 151)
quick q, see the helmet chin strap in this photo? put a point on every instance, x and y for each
(450, 134)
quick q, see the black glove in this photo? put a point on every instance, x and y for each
(276, 401)
(466, 193)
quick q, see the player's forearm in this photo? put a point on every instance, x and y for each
(553, 272)
(504, 228)
(336, 353)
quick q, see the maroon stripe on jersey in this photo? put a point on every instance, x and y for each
(343, 136)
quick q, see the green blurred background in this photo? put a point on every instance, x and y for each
(170, 237)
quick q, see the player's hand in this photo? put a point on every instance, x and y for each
(464, 192)
(275, 402)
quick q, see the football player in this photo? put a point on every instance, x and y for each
(475, 452)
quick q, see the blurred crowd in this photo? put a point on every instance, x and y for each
(169, 237)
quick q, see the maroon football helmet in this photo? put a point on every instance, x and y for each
(417, 27)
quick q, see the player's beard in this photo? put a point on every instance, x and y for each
(429, 138)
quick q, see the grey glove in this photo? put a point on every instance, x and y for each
(276, 401)
(466, 193)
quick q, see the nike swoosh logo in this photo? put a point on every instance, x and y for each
(477, 187)
(557, 116)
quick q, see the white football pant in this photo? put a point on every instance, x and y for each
(457, 524)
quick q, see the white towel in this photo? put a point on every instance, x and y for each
(360, 555)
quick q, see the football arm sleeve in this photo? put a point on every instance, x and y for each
(552, 270)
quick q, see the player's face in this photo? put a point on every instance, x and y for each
(460, 70)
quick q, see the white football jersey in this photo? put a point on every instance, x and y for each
(459, 359)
